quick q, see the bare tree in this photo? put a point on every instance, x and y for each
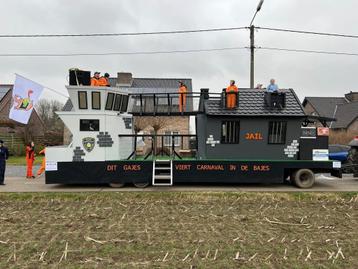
(154, 123)
(46, 109)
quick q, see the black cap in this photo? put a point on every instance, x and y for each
(97, 72)
(1, 142)
(106, 75)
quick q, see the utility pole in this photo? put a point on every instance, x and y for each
(252, 56)
(252, 46)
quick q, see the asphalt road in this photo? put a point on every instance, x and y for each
(323, 184)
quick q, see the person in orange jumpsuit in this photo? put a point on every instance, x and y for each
(43, 164)
(30, 157)
(104, 81)
(182, 96)
(231, 95)
(95, 79)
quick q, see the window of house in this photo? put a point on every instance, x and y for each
(89, 125)
(124, 104)
(109, 102)
(96, 100)
(230, 132)
(168, 139)
(82, 100)
(277, 132)
(117, 102)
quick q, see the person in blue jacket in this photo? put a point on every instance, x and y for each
(4, 155)
(272, 87)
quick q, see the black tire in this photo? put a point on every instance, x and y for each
(141, 184)
(303, 178)
(116, 185)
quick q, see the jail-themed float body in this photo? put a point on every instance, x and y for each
(264, 139)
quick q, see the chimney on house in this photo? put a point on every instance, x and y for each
(124, 79)
(352, 96)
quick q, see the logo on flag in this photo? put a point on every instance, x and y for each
(24, 96)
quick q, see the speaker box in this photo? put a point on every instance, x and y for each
(80, 77)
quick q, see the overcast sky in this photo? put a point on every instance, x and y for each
(308, 74)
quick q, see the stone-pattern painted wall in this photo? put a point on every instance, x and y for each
(128, 123)
(104, 139)
(77, 154)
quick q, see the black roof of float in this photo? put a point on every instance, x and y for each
(251, 103)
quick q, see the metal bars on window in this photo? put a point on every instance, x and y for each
(230, 132)
(277, 132)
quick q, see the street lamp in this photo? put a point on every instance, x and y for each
(257, 10)
(252, 46)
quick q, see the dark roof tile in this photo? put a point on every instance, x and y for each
(345, 115)
(251, 103)
(325, 106)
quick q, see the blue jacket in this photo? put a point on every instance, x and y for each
(272, 88)
(4, 153)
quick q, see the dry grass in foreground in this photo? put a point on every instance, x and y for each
(179, 230)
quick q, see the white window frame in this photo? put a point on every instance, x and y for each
(168, 139)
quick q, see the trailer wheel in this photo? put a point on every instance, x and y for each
(303, 178)
(141, 185)
(116, 185)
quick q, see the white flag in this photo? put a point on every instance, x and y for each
(24, 97)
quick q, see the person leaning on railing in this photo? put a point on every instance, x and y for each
(182, 96)
(97, 81)
(231, 95)
(104, 81)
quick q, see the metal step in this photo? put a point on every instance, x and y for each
(162, 177)
(162, 168)
(162, 173)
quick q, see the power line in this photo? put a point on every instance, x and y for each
(309, 51)
(308, 32)
(117, 53)
(125, 34)
(171, 52)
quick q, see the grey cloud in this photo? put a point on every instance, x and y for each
(309, 74)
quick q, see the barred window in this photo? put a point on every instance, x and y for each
(230, 132)
(277, 132)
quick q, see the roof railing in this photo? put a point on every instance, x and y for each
(169, 104)
(275, 100)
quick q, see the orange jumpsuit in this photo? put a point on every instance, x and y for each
(43, 164)
(103, 82)
(30, 157)
(95, 81)
(231, 93)
(182, 98)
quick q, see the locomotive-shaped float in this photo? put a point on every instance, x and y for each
(265, 138)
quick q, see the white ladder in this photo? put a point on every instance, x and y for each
(162, 173)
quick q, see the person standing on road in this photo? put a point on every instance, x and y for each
(4, 155)
(30, 157)
(43, 164)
